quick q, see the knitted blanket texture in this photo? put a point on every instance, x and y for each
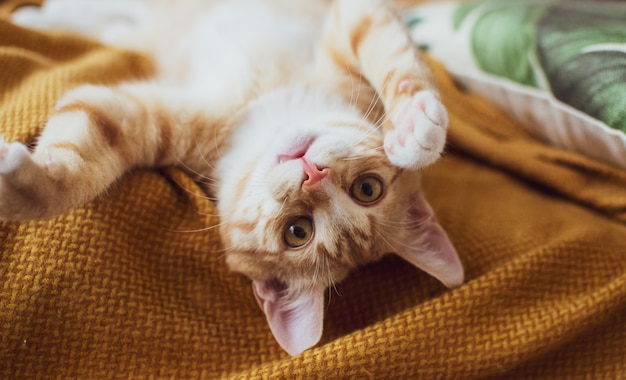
(134, 283)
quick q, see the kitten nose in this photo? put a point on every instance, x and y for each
(313, 173)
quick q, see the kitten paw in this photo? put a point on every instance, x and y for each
(21, 182)
(419, 133)
(11, 156)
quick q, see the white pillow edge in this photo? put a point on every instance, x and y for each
(549, 119)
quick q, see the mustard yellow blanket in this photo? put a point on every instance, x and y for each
(133, 285)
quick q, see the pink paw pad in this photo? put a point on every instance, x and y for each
(419, 134)
(404, 86)
(401, 139)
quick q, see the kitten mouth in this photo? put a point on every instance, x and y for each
(297, 150)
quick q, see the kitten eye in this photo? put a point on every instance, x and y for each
(367, 189)
(299, 232)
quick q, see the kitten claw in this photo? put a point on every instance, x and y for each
(419, 134)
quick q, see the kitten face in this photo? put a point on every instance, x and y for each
(298, 214)
(308, 216)
(317, 197)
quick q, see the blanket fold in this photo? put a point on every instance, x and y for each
(495, 139)
(134, 284)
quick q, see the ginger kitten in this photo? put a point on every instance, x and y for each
(309, 119)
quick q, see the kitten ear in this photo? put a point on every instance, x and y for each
(295, 322)
(428, 247)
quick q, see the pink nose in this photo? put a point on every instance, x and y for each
(312, 172)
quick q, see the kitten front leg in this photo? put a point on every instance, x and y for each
(369, 37)
(78, 155)
(95, 135)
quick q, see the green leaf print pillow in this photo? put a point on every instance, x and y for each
(559, 67)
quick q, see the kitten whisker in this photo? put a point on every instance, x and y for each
(207, 214)
(361, 155)
(353, 99)
(376, 129)
(204, 229)
(382, 120)
(201, 177)
(218, 153)
(195, 194)
(282, 206)
(373, 103)
(405, 224)
(202, 197)
(205, 181)
(365, 136)
(223, 252)
(398, 243)
(377, 232)
(316, 269)
(361, 139)
(203, 156)
(331, 280)
(392, 224)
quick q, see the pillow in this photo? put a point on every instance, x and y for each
(558, 67)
